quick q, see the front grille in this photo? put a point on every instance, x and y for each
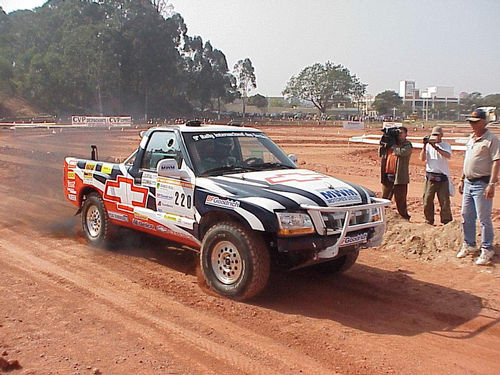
(335, 221)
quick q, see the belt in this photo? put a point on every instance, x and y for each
(482, 178)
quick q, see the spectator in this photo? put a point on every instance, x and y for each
(395, 171)
(480, 174)
(435, 153)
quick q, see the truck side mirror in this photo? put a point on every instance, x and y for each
(93, 153)
(169, 167)
(293, 158)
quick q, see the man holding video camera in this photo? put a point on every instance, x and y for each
(395, 152)
(435, 153)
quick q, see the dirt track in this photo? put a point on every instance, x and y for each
(66, 308)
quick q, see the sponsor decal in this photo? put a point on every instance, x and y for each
(148, 179)
(71, 184)
(124, 191)
(339, 195)
(172, 217)
(107, 168)
(72, 164)
(163, 207)
(71, 175)
(163, 196)
(161, 228)
(169, 183)
(358, 238)
(72, 191)
(118, 216)
(200, 137)
(143, 224)
(90, 166)
(281, 178)
(138, 215)
(87, 177)
(167, 165)
(220, 202)
(72, 197)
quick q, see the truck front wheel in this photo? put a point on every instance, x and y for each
(95, 220)
(234, 261)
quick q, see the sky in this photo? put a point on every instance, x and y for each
(432, 42)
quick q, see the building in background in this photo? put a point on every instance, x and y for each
(431, 102)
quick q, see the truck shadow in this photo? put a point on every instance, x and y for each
(372, 300)
(365, 298)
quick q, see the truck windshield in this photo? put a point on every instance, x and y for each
(217, 153)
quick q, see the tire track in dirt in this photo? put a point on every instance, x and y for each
(236, 341)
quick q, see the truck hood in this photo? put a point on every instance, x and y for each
(289, 188)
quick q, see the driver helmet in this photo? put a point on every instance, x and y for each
(223, 146)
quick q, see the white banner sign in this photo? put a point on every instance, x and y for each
(353, 124)
(101, 120)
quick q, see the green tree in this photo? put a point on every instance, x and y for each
(470, 101)
(245, 78)
(258, 100)
(386, 101)
(324, 85)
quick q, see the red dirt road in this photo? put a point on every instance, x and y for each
(66, 308)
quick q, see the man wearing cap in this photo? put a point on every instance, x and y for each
(435, 153)
(480, 174)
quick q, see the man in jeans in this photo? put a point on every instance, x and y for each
(395, 171)
(435, 153)
(481, 165)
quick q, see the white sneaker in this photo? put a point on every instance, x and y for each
(466, 250)
(485, 257)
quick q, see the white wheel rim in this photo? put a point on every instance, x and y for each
(226, 262)
(93, 221)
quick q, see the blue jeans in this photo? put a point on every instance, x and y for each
(475, 205)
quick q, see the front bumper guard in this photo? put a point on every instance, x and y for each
(316, 215)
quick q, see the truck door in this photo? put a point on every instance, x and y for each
(170, 199)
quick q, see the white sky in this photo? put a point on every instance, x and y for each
(433, 42)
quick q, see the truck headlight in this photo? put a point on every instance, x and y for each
(292, 224)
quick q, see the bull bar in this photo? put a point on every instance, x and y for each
(316, 212)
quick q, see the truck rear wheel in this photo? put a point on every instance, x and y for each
(95, 220)
(234, 261)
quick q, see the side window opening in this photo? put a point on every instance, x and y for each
(161, 145)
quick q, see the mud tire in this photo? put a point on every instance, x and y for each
(234, 261)
(96, 226)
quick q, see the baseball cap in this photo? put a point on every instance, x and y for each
(477, 114)
(437, 130)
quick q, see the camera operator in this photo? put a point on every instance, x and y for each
(435, 153)
(395, 170)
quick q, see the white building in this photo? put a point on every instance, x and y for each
(427, 100)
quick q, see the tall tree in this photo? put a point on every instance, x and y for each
(471, 101)
(324, 85)
(245, 78)
(386, 101)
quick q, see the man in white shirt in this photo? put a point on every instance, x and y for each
(436, 154)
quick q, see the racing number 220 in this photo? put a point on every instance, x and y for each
(183, 200)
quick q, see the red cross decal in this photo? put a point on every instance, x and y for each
(124, 191)
(294, 176)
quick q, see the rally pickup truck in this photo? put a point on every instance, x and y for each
(231, 194)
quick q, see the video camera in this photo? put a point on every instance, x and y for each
(389, 137)
(430, 139)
